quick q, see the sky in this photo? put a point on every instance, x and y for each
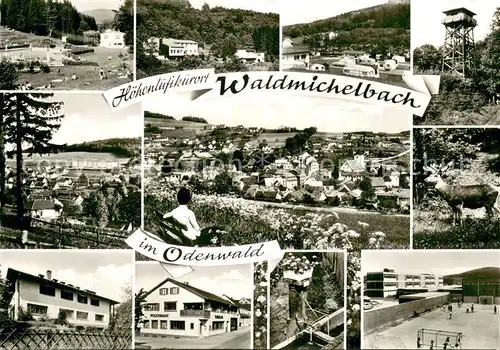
(255, 5)
(426, 18)
(275, 110)
(437, 262)
(235, 281)
(87, 5)
(105, 272)
(294, 12)
(87, 117)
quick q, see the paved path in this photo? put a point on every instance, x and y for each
(481, 330)
(239, 339)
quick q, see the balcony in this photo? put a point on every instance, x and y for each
(195, 313)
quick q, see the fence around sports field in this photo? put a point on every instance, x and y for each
(52, 235)
(377, 319)
(21, 338)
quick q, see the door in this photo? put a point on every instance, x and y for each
(234, 324)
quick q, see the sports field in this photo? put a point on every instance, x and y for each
(481, 330)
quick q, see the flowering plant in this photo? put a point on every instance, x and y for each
(261, 285)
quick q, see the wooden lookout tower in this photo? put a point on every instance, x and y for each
(458, 49)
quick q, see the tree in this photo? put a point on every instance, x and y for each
(124, 21)
(427, 58)
(368, 193)
(29, 125)
(140, 296)
(9, 75)
(130, 208)
(96, 209)
(121, 320)
(223, 183)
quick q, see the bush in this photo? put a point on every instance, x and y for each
(25, 315)
(61, 318)
(76, 40)
(81, 50)
(45, 68)
(80, 63)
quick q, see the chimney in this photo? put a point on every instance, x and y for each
(48, 275)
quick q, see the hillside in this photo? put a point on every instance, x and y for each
(219, 28)
(481, 272)
(101, 15)
(386, 24)
(120, 147)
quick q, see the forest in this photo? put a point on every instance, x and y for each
(464, 101)
(122, 147)
(381, 27)
(221, 30)
(42, 17)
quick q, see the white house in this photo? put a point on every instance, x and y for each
(45, 297)
(176, 48)
(45, 209)
(295, 57)
(112, 39)
(250, 55)
(179, 309)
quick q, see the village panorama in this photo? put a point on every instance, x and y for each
(65, 188)
(266, 174)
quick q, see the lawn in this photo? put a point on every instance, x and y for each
(87, 76)
(118, 69)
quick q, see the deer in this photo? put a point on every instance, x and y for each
(463, 196)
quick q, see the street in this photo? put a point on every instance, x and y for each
(239, 339)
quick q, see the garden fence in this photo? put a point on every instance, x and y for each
(52, 339)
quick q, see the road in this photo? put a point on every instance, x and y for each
(239, 339)
(322, 209)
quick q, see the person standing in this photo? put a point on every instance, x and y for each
(432, 345)
(419, 345)
(495, 310)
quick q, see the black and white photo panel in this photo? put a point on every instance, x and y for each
(70, 45)
(72, 171)
(66, 299)
(430, 299)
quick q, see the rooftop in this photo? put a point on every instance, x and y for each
(459, 10)
(13, 275)
(199, 292)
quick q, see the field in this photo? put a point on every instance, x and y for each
(480, 329)
(117, 68)
(432, 222)
(273, 139)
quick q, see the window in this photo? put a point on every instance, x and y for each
(163, 291)
(99, 318)
(192, 325)
(154, 324)
(94, 302)
(80, 315)
(152, 307)
(66, 295)
(47, 290)
(146, 324)
(218, 325)
(164, 324)
(174, 290)
(37, 309)
(170, 306)
(180, 325)
(105, 37)
(82, 299)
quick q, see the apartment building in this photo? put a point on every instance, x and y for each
(45, 297)
(180, 309)
(386, 283)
